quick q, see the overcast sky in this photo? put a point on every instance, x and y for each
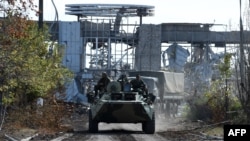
(175, 11)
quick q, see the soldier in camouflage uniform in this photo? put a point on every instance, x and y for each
(138, 85)
(123, 80)
(102, 84)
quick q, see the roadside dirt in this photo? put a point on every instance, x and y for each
(73, 126)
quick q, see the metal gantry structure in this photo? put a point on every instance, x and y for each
(108, 36)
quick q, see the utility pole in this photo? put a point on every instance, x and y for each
(40, 19)
(241, 50)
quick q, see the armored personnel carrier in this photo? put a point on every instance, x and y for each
(120, 104)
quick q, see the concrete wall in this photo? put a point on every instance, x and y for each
(69, 36)
(148, 52)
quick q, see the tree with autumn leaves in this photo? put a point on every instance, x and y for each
(28, 69)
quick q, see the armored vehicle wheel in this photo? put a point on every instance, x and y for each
(149, 126)
(93, 125)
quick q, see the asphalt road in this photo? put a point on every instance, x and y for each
(121, 132)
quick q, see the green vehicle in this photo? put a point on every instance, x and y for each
(127, 106)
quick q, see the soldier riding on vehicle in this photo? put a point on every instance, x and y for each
(124, 82)
(138, 85)
(102, 84)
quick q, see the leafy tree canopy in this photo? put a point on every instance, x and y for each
(28, 69)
